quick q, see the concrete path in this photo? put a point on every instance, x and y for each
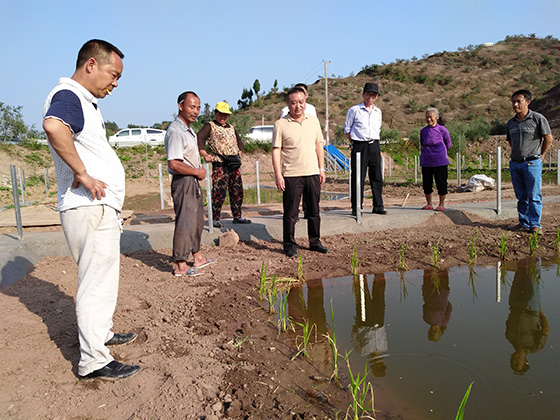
(18, 256)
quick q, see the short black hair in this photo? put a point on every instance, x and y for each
(523, 92)
(302, 85)
(295, 89)
(183, 96)
(98, 49)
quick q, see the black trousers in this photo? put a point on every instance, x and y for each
(310, 188)
(370, 161)
(440, 175)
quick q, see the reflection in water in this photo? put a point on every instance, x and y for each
(526, 327)
(369, 337)
(314, 313)
(436, 310)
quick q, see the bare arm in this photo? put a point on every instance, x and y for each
(547, 142)
(182, 168)
(276, 157)
(61, 139)
(321, 159)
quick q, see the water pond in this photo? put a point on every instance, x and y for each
(427, 334)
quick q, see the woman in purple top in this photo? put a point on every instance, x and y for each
(434, 140)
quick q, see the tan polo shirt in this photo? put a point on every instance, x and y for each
(298, 143)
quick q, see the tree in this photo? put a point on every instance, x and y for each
(246, 98)
(12, 126)
(207, 115)
(257, 87)
(275, 86)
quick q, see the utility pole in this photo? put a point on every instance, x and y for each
(326, 104)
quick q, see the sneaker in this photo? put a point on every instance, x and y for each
(241, 220)
(113, 371)
(218, 224)
(516, 227)
(119, 339)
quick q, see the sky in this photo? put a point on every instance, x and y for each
(216, 47)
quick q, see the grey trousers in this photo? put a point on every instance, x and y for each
(189, 216)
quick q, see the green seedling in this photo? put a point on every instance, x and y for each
(473, 250)
(401, 263)
(360, 405)
(461, 410)
(303, 341)
(355, 261)
(262, 281)
(403, 289)
(436, 254)
(334, 347)
(284, 320)
(239, 341)
(299, 275)
(533, 243)
(503, 246)
(272, 295)
(472, 277)
(558, 240)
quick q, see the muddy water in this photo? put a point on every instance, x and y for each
(427, 334)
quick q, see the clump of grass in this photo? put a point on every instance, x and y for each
(334, 347)
(303, 342)
(436, 253)
(401, 262)
(355, 261)
(558, 240)
(533, 243)
(360, 405)
(473, 250)
(284, 320)
(503, 246)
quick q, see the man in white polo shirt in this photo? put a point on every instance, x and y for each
(91, 182)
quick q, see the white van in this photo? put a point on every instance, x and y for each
(134, 136)
(260, 133)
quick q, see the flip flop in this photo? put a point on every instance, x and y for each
(208, 262)
(191, 272)
(427, 207)
(440, 208)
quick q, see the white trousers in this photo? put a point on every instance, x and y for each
(93, 234)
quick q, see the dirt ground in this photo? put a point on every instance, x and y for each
(207, 346)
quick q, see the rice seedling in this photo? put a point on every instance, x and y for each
(284, 320)
(299, 274)
(304, 345)
(262, 281)
(401, 263)
(360, 405)
(461, 410)
(533, 243)
(503, 246)
(558, 240)
(355, 261)
(272, 295)
(403, 289)
(239, 341)
(473, 250)
(436, 253)
(334, 347)
(472, 277)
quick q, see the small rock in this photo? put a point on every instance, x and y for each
(228, 239)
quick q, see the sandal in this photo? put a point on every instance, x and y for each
(427, 207)
(191, 272)
(206, 263)
(440, 208)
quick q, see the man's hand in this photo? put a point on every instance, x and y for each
(280, 183)
(95, 186)
(201, 174)
(322, 177)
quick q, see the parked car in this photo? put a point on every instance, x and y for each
(134, 136)
(260, 133)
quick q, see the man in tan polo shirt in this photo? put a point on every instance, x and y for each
(298, 160)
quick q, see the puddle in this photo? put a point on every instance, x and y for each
(427, 334)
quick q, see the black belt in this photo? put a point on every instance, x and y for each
(526, 159)
(365, 141)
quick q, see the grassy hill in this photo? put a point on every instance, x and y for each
(472, 83)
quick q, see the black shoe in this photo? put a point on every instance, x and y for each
(241, 220)
(291, 253)
(218, 224)
(122, 339)
(114, 371)
(319, 248)
(379, 211)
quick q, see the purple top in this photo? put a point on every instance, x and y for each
(434, 141)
